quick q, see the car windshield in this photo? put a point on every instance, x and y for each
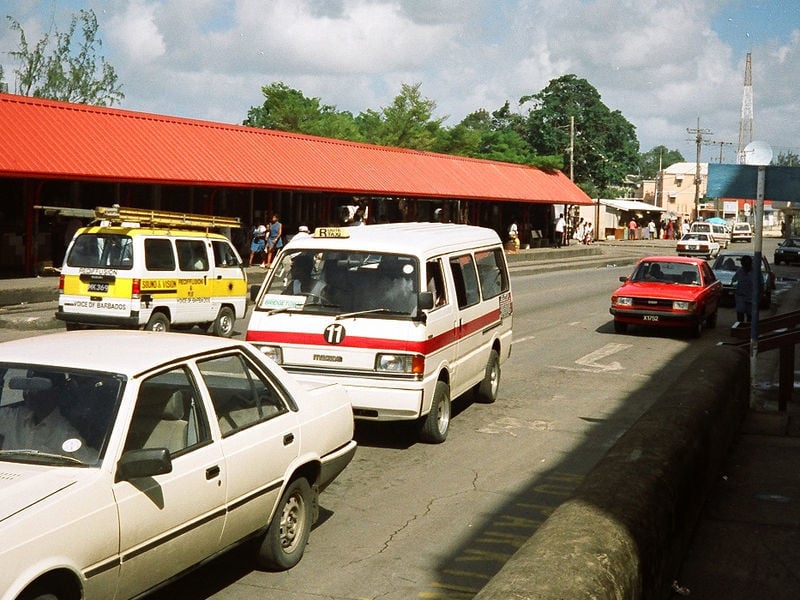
(107, 250)
(666, 272)
(54, 416)
(343, 283)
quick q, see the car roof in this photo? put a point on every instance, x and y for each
(673, 259)
(113, 351)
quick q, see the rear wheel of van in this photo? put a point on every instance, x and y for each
(435, 425)
(223, 324)
(158, 322)
(487, 389)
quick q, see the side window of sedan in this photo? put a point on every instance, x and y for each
(240, 394)
(168, 414)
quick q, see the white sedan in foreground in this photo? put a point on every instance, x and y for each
(126, 458)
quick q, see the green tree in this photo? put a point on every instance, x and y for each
(605, 147)
(659, 157)
(287, 109)
(408, 122)
(61, 67)
(787, 159)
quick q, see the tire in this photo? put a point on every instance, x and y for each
(224, 323)
(285, 540)
(435, 425)
(711, 321)
(73, 327)
(158, 322)
(620, 327)
(697, 330)
(487, 389)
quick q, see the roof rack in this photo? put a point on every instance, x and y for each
(144, 216)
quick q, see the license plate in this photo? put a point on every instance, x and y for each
(98, 287)
(650, 317)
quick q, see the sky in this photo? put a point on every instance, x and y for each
(663, 64)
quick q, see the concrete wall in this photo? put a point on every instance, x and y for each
(624, 532)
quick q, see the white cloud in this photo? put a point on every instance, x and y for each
(136, 34)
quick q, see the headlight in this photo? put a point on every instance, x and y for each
(683, 305)
(400, 363)
(273, 352)
(622, 301)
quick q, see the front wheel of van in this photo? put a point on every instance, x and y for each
(435, 425)
(487, 389)
(158, 322)
(223, 324)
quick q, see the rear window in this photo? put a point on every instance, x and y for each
(101, 250)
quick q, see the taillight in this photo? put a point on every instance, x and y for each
(60, 284)
(136, 288)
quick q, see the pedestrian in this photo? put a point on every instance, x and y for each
(513, 236)
(651, 226)
(684, 227)
(670, 230)
(302, 232)
(274, 239)
(258, 243)
(743, 292)
(588, 234)
(632, 227)
(561, 226)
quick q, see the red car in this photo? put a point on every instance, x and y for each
(667, 291)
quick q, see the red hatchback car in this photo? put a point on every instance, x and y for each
(667, 291)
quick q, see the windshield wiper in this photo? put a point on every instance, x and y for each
(39, 454)
(366, 312)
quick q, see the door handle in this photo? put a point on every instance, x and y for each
(212, 472)
(288, 439)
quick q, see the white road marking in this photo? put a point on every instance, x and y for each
(590, 361)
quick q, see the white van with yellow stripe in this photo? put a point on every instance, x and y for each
(405, 316)
(155, 270)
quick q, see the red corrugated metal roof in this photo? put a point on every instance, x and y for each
(48, 139)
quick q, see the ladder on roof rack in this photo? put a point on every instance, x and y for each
(145, 216)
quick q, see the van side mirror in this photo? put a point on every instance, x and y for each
(425, 300)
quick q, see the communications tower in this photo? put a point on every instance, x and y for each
(746, 121)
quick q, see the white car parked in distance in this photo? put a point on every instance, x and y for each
(128, 457)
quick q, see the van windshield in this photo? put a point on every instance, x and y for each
(340, 282)
(93, 250)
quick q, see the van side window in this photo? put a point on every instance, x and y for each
(224, 255)
(435, 278)
(491, 272)
(465, 279)
(192, 255)
(158, 255)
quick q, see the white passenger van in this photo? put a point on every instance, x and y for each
(720, 232)
(155, 270)
(406, 316)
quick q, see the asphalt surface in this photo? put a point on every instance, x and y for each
(747, 541)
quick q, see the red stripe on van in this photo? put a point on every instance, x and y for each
(375, 343)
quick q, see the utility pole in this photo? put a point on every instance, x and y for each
(572, 149)
(721, 144)
(698, 133)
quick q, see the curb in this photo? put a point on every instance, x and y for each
(625, 530)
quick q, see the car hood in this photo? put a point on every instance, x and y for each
(653, 289)
(22, 486)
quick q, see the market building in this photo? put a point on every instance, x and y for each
(79, 156)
